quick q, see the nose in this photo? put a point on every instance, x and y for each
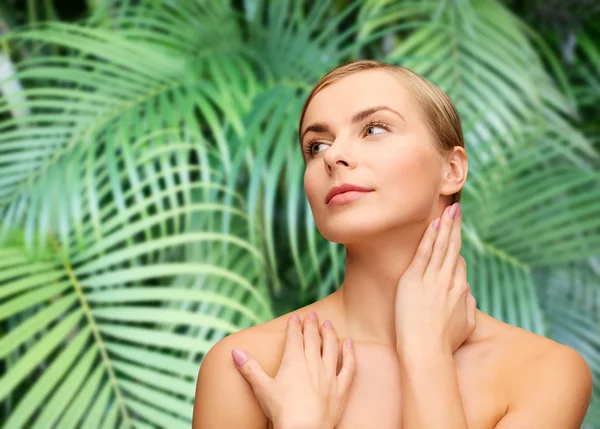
(339, 155)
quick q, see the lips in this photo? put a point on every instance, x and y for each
(345, 187)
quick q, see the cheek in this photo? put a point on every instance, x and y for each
(411, 180)
(417, 170)
(311, 187)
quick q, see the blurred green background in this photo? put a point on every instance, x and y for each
(151, 196)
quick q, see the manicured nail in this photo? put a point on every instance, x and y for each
(296, 318)
(453, 210)
(459, 213)
(312, 315)
(328, 324)
(239, 357)
(436, 224)
(348, 342)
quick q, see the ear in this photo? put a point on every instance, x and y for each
(455, 171)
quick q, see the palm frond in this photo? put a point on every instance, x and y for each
(127, 318)
(151, 195)
(103, 99)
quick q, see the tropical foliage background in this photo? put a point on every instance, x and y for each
(151, 197)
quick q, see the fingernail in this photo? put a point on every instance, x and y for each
(239, 357)
(459, 210)
(436, 224)
(328, 324)
(453, 211)
(296, 318)
(312, 315)
(348, 342)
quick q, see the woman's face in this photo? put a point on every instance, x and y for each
(389, 150)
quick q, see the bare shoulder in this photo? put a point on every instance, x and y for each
(549, 384)
(220, 384)
(529, 355)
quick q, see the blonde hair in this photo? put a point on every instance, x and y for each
(442, 117)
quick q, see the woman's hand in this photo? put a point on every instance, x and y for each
(435, 310)
(306, 392)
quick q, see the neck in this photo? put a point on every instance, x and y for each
(368, 293)
(367, 296)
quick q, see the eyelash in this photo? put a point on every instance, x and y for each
(309, 145)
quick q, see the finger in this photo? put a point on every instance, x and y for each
(471, 309)
(454, 245)
(312, 337)
(294, 343)
(459, 282)
(346, 375)
(330, 345)
(440, 245)
(251, 370)
(421, 259)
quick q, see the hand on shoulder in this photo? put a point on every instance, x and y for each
(306, 392)
(220, 385)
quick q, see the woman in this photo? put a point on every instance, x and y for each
(422, 356)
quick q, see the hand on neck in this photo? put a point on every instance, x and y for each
(368, 292)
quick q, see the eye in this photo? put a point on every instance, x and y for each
(317, 144)
(372, 128)
(374, 125)
(310, 145)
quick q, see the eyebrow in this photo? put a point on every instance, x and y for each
(363, 114)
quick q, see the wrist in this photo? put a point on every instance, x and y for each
(417, 351)
(300, 425)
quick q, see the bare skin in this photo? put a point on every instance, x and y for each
(507, 376)
(489, 371)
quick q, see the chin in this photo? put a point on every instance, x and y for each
(351, 225)
(349, 236)
(348, 228)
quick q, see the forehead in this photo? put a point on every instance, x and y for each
(340, 100)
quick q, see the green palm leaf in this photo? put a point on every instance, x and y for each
(151, 196)
(114, 313)
(101, 101)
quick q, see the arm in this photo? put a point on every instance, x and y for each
(434, 315)
(223, 397)
(556, 396)
(429, 390)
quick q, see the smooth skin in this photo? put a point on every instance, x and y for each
(506, 377)
(306, 392)
(435, 313)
